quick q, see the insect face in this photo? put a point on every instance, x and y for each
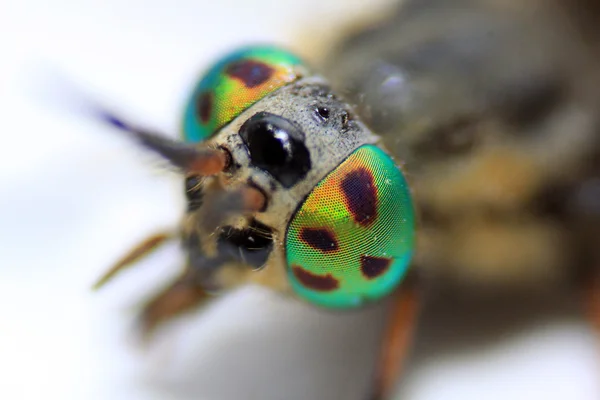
(336, 208)
(285, 188)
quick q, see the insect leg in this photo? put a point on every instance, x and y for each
(589, 282)
(397, 339)
(188, 291)
(180, 296)
(592, 298)
(585, 207)
(134, 255)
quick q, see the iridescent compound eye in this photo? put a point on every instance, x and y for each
(233, 84)
(351, 240)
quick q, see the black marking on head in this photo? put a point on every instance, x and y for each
(204, 106)
(320, 283)
(320, 239)
(360, 196)
(372, 267)
(250, 72)
(250, 245)
(194, 193)
(276, 146)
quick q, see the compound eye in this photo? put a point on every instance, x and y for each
(234, 83)
(351, 241)
(276, 146)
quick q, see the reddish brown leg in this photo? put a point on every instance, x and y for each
(590, 278)
(592, 302)
(182, 295)
(397, 340)
(137, 253)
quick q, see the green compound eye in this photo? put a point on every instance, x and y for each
(351, 240)
(233, 84)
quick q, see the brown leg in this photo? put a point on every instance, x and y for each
(397, 340)
(592, 302)
(180, 296)
(136, 254)
(589, 278)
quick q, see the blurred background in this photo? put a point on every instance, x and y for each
(74, 197)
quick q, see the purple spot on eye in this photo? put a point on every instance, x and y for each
(361, 196)
(321, 283)
(372, 267)
(251, 73)
(204, 106)
(319, 239)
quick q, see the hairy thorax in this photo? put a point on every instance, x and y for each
(493, 107)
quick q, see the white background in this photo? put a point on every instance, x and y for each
(74, 197)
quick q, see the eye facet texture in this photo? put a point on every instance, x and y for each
(233, 84)
(351, 240)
